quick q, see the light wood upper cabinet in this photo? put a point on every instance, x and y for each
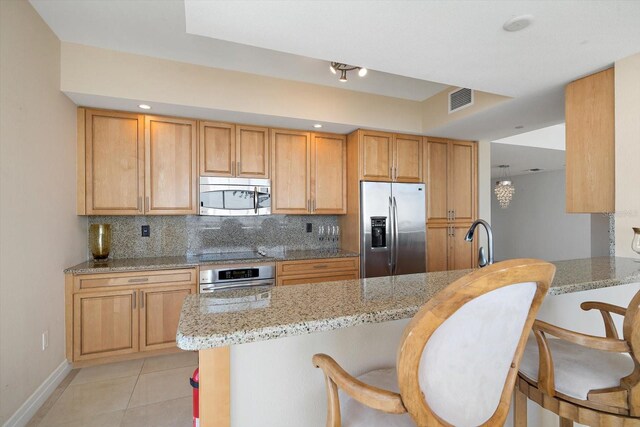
(309, 173)
(390, 157)
(376, 155)
(217, 149)
(451, 172)
(252, 152)
(110, 163)
(590, 144)
(170, 166)
(159, 315)
(129, 164)
(229, 150)
(290, 165)
(329, 174)
(407, 151)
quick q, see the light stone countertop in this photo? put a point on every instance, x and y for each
(161, 263)
(237, 317)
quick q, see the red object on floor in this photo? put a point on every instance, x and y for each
(195, 383)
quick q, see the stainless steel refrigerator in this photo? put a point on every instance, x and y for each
(392, 229)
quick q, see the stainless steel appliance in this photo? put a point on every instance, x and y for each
(234, 196)
(392, 229)
(225, 277)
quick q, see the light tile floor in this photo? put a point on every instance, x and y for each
(145, 392)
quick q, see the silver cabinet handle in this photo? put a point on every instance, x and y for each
(133, 300)
(141, 299)
(391, 172)
(139, 280)
(320, 266)
(453, 214)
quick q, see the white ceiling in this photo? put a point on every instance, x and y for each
(457, 43)
(157, 28)
(552, 137)
(520, 159)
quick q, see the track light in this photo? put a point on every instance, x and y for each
(334, 67)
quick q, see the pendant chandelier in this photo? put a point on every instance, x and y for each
(504, 188)
(343, 68)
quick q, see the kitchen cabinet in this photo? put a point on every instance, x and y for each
(317, 270)
(130, 164)
(171, 172)
(309, 173)
(447, 249)
(389, 157)
(114, 315)
(590, 144)
(451, 176)
(230, 150)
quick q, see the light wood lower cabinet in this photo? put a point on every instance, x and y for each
(447, 249)
(317, 270)
(118, 314)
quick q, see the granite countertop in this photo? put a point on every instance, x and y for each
(161, 263)
(217, 319)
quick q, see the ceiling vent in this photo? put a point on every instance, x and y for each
(459, 99)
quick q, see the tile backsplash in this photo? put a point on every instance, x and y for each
(193, 235)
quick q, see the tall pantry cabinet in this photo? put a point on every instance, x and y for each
(452, 182)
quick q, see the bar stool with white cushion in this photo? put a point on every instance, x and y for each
(458, 359)
(583, 378)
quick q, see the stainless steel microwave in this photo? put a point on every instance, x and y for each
(234, 196)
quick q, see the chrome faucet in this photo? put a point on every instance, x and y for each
(482, 259)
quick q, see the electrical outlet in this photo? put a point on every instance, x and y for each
(146, 231)
(309, 227)
(45, 340)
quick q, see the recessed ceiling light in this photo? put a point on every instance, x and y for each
(534, 170)
(145, 106)
(518, 23)
(317, 126)
(519, 127)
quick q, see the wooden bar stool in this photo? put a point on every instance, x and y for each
(458, 359)
(584, 378)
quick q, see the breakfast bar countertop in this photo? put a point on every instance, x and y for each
(161, 263)
(209, 320)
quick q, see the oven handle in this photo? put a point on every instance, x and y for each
(268, 282)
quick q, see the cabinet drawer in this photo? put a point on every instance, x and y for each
(138, 278)
(316, 266)
(317, 278)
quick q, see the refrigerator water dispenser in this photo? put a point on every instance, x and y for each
(379, 232)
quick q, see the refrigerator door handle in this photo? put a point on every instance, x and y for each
(395, 237)
(392, 245)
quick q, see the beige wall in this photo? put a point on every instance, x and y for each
(40, 232)
(102, 72)
(627, 93)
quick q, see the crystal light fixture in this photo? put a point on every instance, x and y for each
(343, 68)
(504, 188)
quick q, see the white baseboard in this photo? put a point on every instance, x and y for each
(29, 408)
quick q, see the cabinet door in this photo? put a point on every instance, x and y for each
(437, 247)
(104, 324)
(462, 254)
(329, 174)
(159, 315)
(217, 149)
(437, 177)
(252, 152)
(290, 159)
(376, 155)
(407, 151)
(462, 180)
(170, 166)
(114, 163)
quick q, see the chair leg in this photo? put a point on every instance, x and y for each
(333, 404)
(565, 422)
(519, 408)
